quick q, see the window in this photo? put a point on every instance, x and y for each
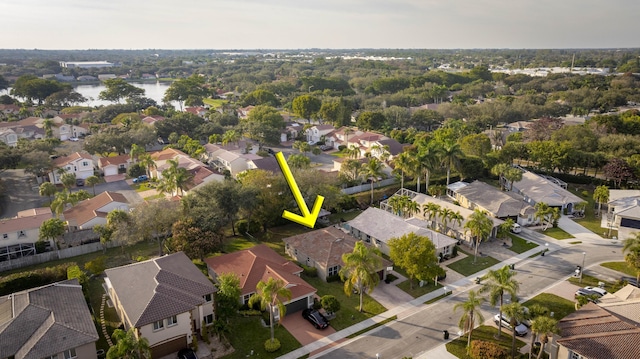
(378, 242)
(575, 356)
(159, 325)
(333, 271)
(21, 234)
(52, 357)
(171, 321)
(367, 238)
(245, 299)
(85, 163)
(207, 298)
(5, 236)
(70, 354)
(208, 319)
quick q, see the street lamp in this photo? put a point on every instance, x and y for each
(584, 255)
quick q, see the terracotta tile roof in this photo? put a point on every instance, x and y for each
(595, 333)
(91, 208)
(115, 160)
(23, 223)
(65, 160)
(395, 147)
(45, 321)
(159, 288)
(324, 127)
(259, 264)
(34, 212)
(199, 175)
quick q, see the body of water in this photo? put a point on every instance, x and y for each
(152, 90)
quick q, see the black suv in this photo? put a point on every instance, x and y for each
(314, 317)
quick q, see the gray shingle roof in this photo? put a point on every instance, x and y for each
(542, 190)
(48, 320)
(500, 204)
(159, 288)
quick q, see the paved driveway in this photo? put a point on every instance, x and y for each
(22, 192)
(119, 186)
(302, 330)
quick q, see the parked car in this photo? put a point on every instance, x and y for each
(316, 318)
(516, 228)
(325, 147)
(630, 280)
(587, 292)
(598, 290)
(187, 353)
(520, 329)
(74, 139)
(141, 179)
(79, 182)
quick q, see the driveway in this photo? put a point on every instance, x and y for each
(119, 186)
(21, 193)
(389, 295)
(302, 330)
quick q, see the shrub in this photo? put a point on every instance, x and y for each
(205, 332)
(96, 266)
(333, 278)
(316, 304)
(311, 272)
(272, 345)
(34, 278)
(342, 148)
(346, 203)
(250, 313)
(481, 349)
(136, 170)
(41, 246)
(75, 272)
(454, 252)
(243, 226)
(194, 343)
(330, 303)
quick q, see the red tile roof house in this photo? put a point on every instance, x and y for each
(81, 164)
(165, 299)
(259, 264)
(18, 235)
(115, 165)
(200, 172)
(323, 249)
(92, 211)
(52, 321)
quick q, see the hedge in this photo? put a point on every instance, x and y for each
(35, 278)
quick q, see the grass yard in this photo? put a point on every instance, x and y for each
(466, 267)
(344, 216)
(559, 306)
(520, 245)
(590, 221)
(247, 335)
(621, 267)
(95, 291)
(273, 236)
(348, 314)
(557, 233)
(590, 281)
(144, 186)
(417, 290)
(214, 102)
(458, 347)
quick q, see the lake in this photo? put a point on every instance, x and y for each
(152, 90)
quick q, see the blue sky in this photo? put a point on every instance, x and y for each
(286, 24)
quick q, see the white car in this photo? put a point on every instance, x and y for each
(598, 290)
(74, 139)
(520, 329)
(516, 228)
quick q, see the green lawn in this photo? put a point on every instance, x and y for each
(557, 233)
(248, 335)
(214, 102)
(345, 216)
(418, 291)
(621, 267)
(273, 237)
(95, 291)
(590, 281)
(559, 306)
(144, 186)
(458, 347)
(466, 267)
(519, 245)
(348, 314)
(340, 154)
(590, 221)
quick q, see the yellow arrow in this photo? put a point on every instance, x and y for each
(307, 219)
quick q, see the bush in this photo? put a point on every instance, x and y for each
(75, 272)
(41, 246)
(243, 226)
(481, 349)
(316, 304)
(310, 271)
(96, 266)
(249, 313)
(342, 148)
(333, 278)
(454, 252)
(136, 170)
(346, 203)
(272, 345)
(330, 303)
(35, 278)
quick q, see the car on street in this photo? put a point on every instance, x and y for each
(74, 139)
(79, 182)
(516, 228)
(316, 318)
(588, 293)
(598, 290)
(141, 179)
(520, 329)
(187, 353)
(325, 147)
(630, 280)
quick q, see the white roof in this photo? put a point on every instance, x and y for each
(541, 189)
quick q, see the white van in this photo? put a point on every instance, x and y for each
(516, 228)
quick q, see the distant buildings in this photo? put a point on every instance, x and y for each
(85, 64)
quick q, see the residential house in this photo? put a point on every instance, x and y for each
(497, 203)
(86, 78)
(52, 321)
(11, 132)
(323, 249)
(92, 211)
(318, 133)
(292, 130)
(378, 227)
(197, 110)
(269, 164)
(64, 129)
(260, 263)
(9, 110)
(243, 112)
(111, 166)
(20, 234)
(9, 137)
(519, 126)
(80, 164)
(536, 189)
(151, 120)
(198, 170)
(623, 212)
(338, 161)
(392, 147)
(167, 300)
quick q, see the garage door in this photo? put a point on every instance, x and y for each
(168, 347)
(296, 306)
(630, 223)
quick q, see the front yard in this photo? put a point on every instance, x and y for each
(458, 347)
(621, 267)
(556, 232)
(519, 245)
(247, 337)
(559, 306)
(467, 267)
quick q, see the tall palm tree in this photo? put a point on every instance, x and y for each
(47, 124)
(445, 215)
(403, 162)
(479, 225)
(136, 151)
(93, 181)
(451, 154)
(231, 136)
(517, 314)
(347, 131)
(68, 180)
(505, 228)
(428, 159)
(411, 208)
(431, 210)
(631, 248)
(374, 170)
(499, 170)
(129, 346)
(148, 163)
(270, 295)
(601, 195)
(471, 311)
(456, 217)
(543, 214)
(359, 270)
(397, 204)
(512, 175)
(498, 282)
(542, 326)
(174, 178)
(47, 189)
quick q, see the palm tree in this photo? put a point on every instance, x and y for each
(445, 215)
(456, 217)
(403, 162)
(147, 161)
(428, 159)
(512, 175)
(215, 138)
(92, 181)
(411, 208)
(505, 228)
(397, 204)
(542, 326)
(136, 151)
(347, 131)
(601, 195)
(451, 154)
(431, 210)
(471, 311)
(174, 178)
(48, 124)
(499, 170)
(270, 294)
(480, 226)
(543, 214)
(517, 314)
(47, 189)
(68, 180)
(359, 270)
(498, 282)
(373, 170)
(231, 136)
(128, 346)
(631, 248)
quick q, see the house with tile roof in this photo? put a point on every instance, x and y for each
(535, 189)
(111, 166)
(623, 212)
(200, 174)
(318, 133)
(151, 120)
(64, 128)
(166, 300)
(18, 235)
(323, 249)
(377, 227)
(78, 163)
(497, 203)
(52, 321)
(269, 164)
(389, 145)
(260, 263)
(92, 211)
(197, 110)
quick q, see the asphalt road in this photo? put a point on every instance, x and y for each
(422, 330)
(21, 193)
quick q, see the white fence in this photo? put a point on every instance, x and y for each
(49, 256)
(367, 186)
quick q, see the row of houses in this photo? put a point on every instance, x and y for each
(33, 128)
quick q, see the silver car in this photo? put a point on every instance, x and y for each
(520, 329)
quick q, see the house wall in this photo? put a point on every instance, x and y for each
(110, 170)
(83, 168)
(91, 223)
(237, 166)
(302, 258)
(180, 329)
(30, 236)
